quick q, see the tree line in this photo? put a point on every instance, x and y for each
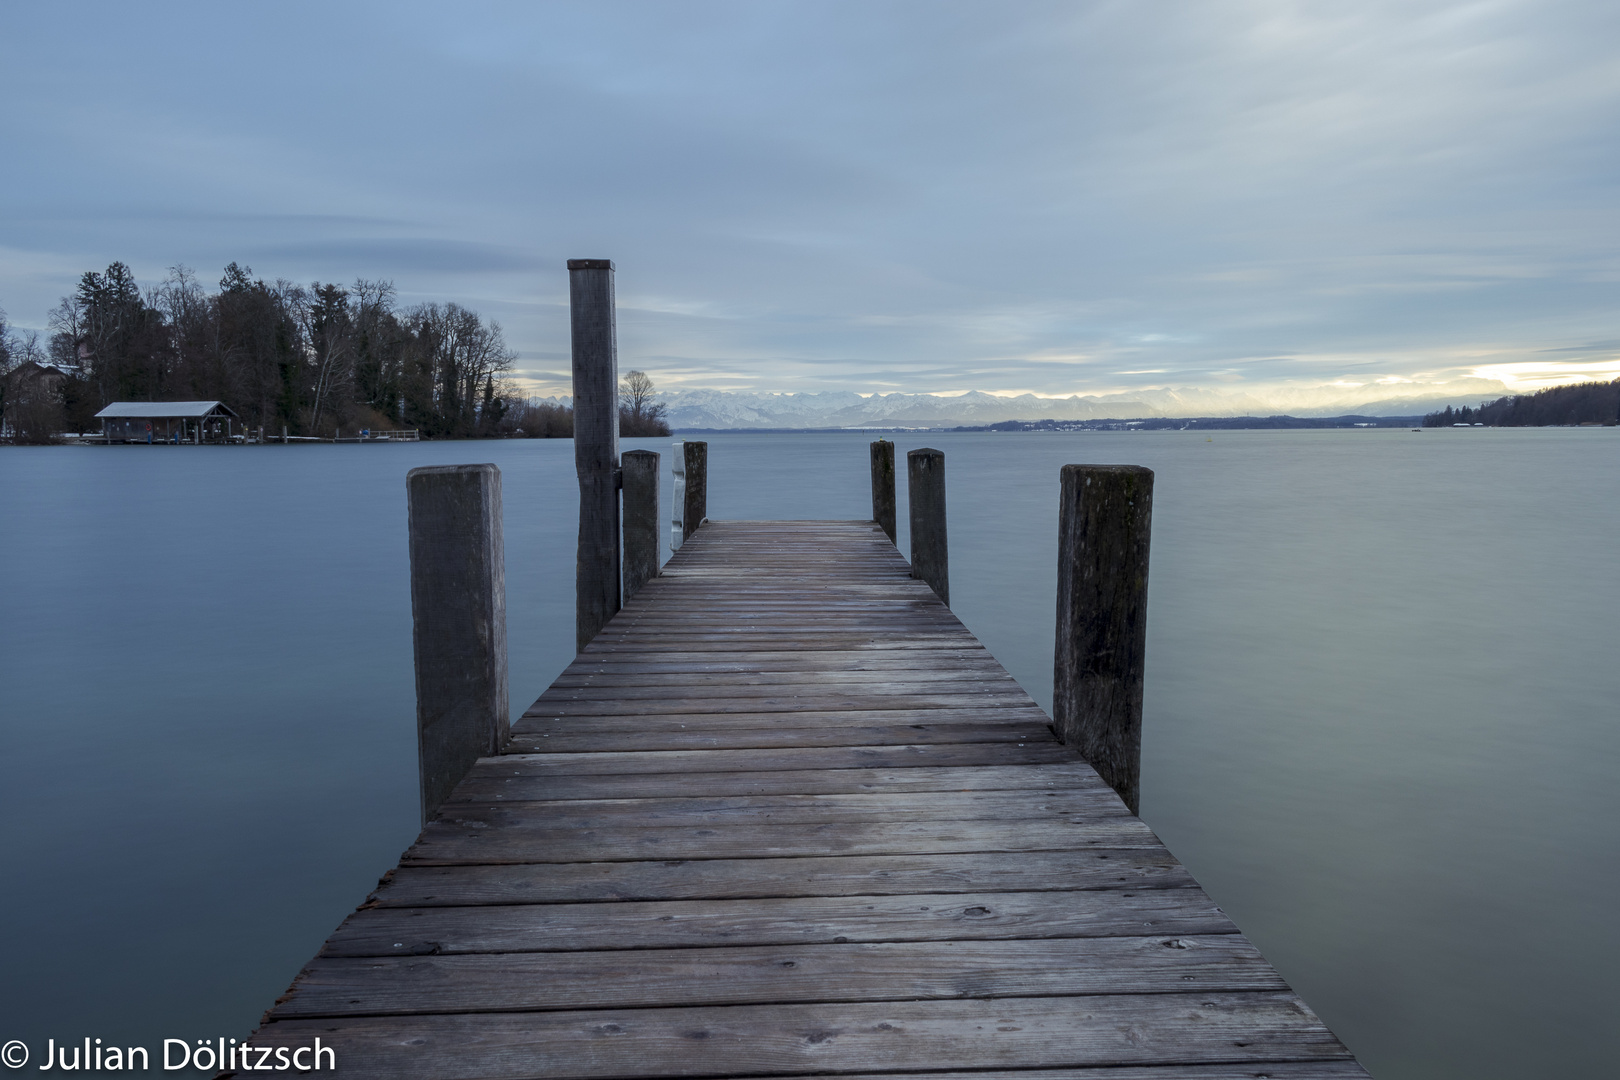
(308, 359)
(1556, 406)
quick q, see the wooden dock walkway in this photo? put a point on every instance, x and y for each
(785, 816)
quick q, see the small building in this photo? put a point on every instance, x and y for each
(167, 422)
(31, 373)
(30, 404)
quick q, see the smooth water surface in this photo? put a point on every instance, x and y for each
(1380, 719)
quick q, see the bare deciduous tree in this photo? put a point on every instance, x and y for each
(639, 413)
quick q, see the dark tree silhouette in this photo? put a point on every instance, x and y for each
(1556, 406)
(639, 414)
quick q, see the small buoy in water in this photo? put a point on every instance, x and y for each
(1210, 439)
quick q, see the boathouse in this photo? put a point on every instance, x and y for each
(167, 421)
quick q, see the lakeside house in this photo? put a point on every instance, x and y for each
(28, 393)
(167, 421)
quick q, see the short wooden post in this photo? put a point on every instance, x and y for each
(641, 519)
(925, 477)
(697, 487)
(596, 445)
(1104, 521)
(458, 615)
(883, 486)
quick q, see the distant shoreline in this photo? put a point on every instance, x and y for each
(1153, 423)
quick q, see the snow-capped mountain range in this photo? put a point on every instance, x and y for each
(690, 409)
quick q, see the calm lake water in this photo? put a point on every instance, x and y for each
(1381, 722)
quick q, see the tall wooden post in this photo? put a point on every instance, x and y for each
(596, 445)
(697, 487)
(1104, 521)
(458, 622)
(641, 519)
(883, 486)
(925, 477)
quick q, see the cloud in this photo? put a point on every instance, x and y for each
(392, 257)
(1062, 197)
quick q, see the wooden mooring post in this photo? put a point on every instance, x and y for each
(925, 480)
(458, 615)
(596, 444)
(641, 519)
(696, 507)
(883, 487)
(1104, 520)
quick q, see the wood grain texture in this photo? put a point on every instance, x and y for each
(1105, 517)
(663, 736)
(643, 523)
(783, 816)
(1085, 803)
(494, 776)
(1271, 1070)
(886, 971)
(594, 331)
(883, 487)
(458, 622)
(493, 835)
(844, 1037)
(775, 921)
(741, 879)
(696, 507)
(930, 552)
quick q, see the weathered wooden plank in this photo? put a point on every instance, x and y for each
(656, 736)
(533, 723)
(511, 777)
(868, 617)
(976, 692)
(869, 624)
(787, 631)
(636, 924)
(1087, 803)
(1024, 1033)
(894, 708)
(857, 611)
(1270, 1070)
(839, 757)
(941, 675)
(839, 875)
(651, 644)
(1088, 798)
(655, 704)
(889, 971)
(828, 661)
(462, 836)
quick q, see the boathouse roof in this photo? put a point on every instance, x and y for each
(164, 410)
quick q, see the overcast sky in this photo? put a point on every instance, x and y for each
(1050, 197)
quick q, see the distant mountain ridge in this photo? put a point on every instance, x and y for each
(723, 409)
(720, 409)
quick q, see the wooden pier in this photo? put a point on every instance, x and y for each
(785, 816)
